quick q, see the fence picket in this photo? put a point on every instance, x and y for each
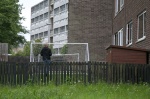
(71, 72)
(3, 71)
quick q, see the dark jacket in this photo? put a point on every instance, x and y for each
(46, 53)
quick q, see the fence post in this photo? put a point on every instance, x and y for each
(89, 72)
(14, 72)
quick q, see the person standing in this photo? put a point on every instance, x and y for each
(46, 54)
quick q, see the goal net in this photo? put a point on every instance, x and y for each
(61, 52)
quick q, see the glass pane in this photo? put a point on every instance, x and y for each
(56, 31)
(46, 33)
(140, 35)
(62, 29)
(128, 38)
(144, 23)
(46, 15)
(62, 8)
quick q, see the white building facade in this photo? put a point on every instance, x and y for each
(49, 22)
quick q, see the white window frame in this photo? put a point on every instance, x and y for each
(129, 35)
(119, 38)
(142, 38)
(121, 4)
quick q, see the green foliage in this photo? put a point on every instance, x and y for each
(10, 23)
(37, 47)
(51, 47)
(25, 51)
(64, 49)
(19, 53)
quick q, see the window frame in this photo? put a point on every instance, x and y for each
(121, 4)
(119, 36)
(129, 40)
(144, 28)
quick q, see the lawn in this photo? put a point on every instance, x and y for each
(77, 91)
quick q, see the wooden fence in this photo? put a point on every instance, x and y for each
(3, 52)
(25, 59)
(72, 72)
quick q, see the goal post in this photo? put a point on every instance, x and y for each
(69, 52)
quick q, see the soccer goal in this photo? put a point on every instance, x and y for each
(62, 52)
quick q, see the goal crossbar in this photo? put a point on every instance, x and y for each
(87, 48)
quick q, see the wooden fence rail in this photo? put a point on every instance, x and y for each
(72, 72)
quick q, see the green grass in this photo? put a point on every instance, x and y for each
(77, 91)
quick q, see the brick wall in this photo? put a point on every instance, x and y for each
(149, 58)
(90, 21)
(131, 10)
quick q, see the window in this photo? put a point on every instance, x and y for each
(129, 34)
(66, 27)
(141, 26)
(56, 31)
(56, 0)
(56, 11)
(41, 35)
(32, 21)
(45, 15)
(118, 38)
(37, 7)
(32, 37)
(62, 8)
(46, 3)
(116, 7)
(56, 51)
(67, 6)
(41, 17)
(41, 5)
(36, 19)
(62, 29)
(36, 36)
(121, 4)
(45, 33)
(32, 10)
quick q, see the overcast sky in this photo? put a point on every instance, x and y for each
(26, 13)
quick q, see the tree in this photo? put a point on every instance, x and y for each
(64, 49)
(37, 47)
(26, 49)
(19, 53)
(10, 23)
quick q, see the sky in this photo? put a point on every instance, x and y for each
(26, 13)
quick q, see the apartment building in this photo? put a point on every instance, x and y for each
(40, 21)
(100, 23)
(131, 23)
(60, 24)
(49, 22)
